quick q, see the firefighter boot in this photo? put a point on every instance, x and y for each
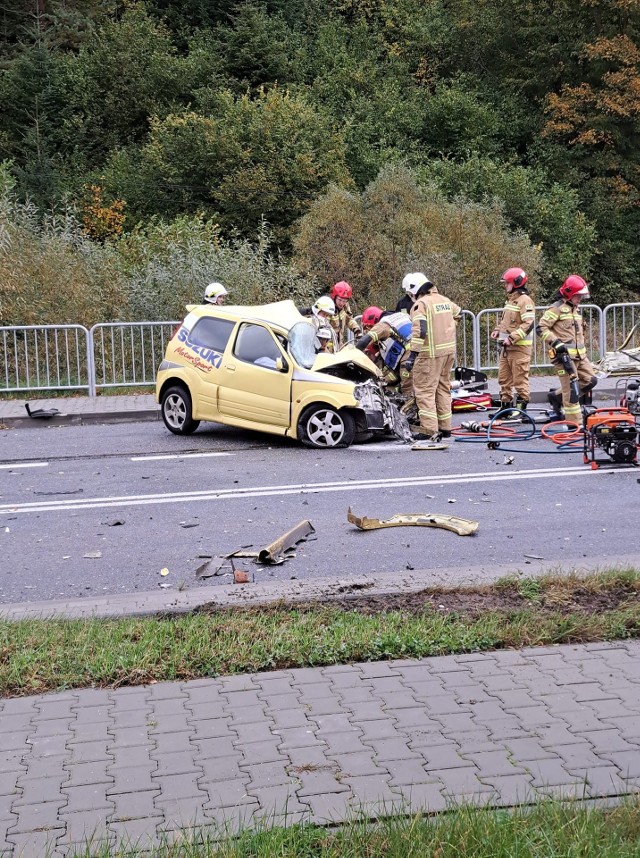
(554, 398)
(521, 405)
(508, 415)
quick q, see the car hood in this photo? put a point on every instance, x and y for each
(327, 361)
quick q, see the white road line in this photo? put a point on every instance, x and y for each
(176, 456)
(306, 488)
(20, 465)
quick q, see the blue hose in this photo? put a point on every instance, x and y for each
(532, 432)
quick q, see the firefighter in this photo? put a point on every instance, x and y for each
(320, 317)
(432, 349)
(324, 339)
(388, 333)
(562, 329)
(514, 336)
(214, 294)
(342, 320)
(405, 303)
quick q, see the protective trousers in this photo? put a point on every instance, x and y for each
(432, 390)
(513, 372)
(586, 380)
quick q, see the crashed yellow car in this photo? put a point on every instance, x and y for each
(257, 368)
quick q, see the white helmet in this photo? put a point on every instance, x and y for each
(415, 281)
(324, 333)
(213, 292)
(324, 304)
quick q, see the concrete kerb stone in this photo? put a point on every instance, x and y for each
(401, 582)
(85, 410)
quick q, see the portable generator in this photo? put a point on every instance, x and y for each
(613, 430)
(630, 397)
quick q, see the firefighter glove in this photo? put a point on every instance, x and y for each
(407, 366)
(560, 348)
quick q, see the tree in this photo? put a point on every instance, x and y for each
(549, 212)
(252, 159)
(593, 125)
(127, 72)
(396, 225)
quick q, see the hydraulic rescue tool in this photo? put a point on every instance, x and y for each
(613, 430)
(567, 364)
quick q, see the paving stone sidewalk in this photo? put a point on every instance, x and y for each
(137, 764)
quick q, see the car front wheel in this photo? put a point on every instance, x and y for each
(176, 411)
(321, 426)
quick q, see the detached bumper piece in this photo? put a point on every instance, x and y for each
(284, 545)
(461, 526)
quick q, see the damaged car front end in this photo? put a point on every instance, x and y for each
(358, 379)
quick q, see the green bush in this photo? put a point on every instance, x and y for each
(397, 225)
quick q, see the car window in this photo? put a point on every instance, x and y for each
(255, 344)
(302, 343)
(212, 333)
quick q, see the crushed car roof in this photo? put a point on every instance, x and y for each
(284, 314)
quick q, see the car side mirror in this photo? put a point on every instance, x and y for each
(282, 365)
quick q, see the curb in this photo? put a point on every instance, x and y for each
(90, 418)
(154, 602)
(538, 397)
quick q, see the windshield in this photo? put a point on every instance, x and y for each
(302, 344)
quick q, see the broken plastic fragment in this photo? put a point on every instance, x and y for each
(164, 571)
(461, 526)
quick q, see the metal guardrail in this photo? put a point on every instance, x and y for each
(619, 320)
(127, 354)
(486, 354)
(45, 357)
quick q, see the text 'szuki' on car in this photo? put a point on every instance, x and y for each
(256, 368)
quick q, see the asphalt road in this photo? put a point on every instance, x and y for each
(98, 510)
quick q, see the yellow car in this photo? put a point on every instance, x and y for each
(257, 368)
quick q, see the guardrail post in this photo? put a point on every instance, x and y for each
(91, 364)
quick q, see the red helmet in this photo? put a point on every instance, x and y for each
(341, 290)
(371, 317)
(574, 285)
(516, 276)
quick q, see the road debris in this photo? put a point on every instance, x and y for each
(92, 555)
(280, 550)
(461, 526)
(41, 413)
(116, 522)
(277, 552)
(240, 577)
(533, 556)
(429, 446)
(164, 572)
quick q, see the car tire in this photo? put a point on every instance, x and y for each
(176, 411)
(323, 427)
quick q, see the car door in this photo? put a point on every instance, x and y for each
(256, 384)
(201, 349)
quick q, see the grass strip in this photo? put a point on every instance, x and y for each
(47, 655)
(547, 830)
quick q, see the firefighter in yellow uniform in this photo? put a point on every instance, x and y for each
(562, 329)
(514, 336)
(342, 320)
(385, 340)
(432, 349)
